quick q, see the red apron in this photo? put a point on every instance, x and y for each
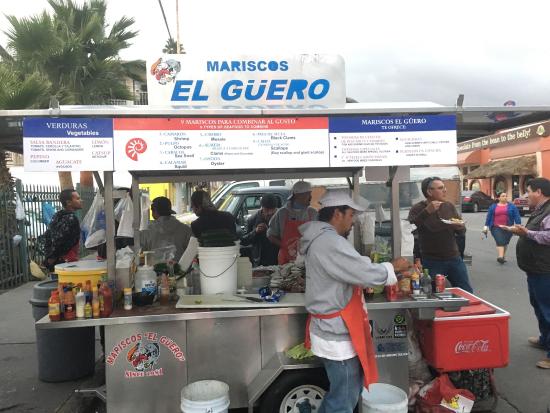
(289, 242)
(356, 319)
(290, 239)
(73, 254)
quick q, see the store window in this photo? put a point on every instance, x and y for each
(475, 185)
(500, 185)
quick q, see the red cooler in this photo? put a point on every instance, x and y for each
(474, 337)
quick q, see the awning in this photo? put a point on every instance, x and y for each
(524, 165)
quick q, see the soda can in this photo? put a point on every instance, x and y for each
(392, 292)
(439, 283)
(369, 292)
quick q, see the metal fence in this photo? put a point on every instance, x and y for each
(12, 269)
(14, 260)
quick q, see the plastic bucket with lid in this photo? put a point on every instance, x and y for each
(81, 271)
(203, 396)
(218, 267)
(384, 398)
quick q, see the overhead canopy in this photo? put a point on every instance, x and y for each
(472, 122)
(524, 165)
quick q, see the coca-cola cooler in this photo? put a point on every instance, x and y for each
(474, 337)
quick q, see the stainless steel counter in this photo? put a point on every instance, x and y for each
(423, 309)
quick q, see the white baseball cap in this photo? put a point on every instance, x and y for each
(339, 197)
(300, 187)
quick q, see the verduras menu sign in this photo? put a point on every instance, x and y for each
(67, 144)
(300, 81)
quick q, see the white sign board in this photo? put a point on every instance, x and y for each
(301, 81)
(221, 143)
(67, 144)
(392, 140)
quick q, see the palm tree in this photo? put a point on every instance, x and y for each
(170, 47)
(74, 49)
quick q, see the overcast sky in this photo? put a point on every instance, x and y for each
(491, 51)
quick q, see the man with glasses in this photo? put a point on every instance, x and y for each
(438, 246)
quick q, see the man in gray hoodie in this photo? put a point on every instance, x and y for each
(338, 325)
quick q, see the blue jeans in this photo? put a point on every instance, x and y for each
(453, 268)
(539, 296)
(346, 384)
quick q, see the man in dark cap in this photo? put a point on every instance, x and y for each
(263, 251)
(166, 229)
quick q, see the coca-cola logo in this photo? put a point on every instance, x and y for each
(472, 346)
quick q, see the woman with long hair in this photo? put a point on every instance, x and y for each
(501, 213)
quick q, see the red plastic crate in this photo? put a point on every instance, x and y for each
(466, 340)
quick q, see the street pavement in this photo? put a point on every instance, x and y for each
(523, 387)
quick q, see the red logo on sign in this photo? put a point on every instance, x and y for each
(134, 147)
(472, 346)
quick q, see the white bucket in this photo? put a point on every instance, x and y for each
(384, 398)
(218, 266)
(205, 396)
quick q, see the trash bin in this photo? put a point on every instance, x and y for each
(63, 354)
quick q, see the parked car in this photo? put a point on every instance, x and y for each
(475, 201)
(242, 203)
(522, 205)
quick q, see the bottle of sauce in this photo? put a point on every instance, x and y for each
(54, 306)
(88, 291)
(426, 283)
(95, 303)
(415, 282)
(105, 300)
(60, 291)
(164, 290)
(88, 310)
(69, 312)
(127, 298)
(80, 303)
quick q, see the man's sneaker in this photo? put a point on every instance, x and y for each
(544, 364)
(501, 260)
(535, 342)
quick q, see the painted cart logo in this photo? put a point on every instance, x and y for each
(142, 352)
(472, 346)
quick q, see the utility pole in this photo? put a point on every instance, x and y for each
(178, 44)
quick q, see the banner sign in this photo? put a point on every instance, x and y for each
(392, 140)
(301, 81)
(220, 143)
(509, 137)
(67, 144)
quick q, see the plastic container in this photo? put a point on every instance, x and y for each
(244, 272)
(218, 268)
(63, 354)
(476, 337)
(205, 396)
(384, 398)
(80, 271)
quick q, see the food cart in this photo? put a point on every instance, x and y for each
(152, 352)
(242, 344)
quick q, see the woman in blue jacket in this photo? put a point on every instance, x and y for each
(501, 213)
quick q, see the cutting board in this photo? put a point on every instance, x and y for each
(232, 301)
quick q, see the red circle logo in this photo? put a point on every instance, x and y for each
(134, 147)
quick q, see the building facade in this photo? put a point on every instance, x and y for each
(506, 161)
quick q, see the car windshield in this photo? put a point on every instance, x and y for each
(230, 203)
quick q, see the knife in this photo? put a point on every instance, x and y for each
(255, 299)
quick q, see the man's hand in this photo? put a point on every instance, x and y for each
(50, 261)
(261, 228)
(433, 206)
(517, 230)
(401, 264)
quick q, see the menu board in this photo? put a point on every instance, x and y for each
(67, 144)
(392, 140)
(221, 143)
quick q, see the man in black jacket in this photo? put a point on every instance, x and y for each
(533, 255)
(263, 251)
(62, 238)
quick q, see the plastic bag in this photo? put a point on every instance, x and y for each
(48, 211)
(93, 225)
(124, 213)
(124, 257)
(19, 210)
(145, 205)
(441, 396)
